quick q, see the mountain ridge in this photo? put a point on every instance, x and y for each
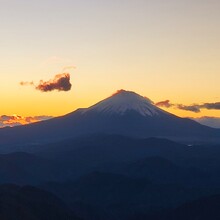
(125, 113)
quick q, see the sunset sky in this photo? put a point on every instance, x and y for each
(165, 50)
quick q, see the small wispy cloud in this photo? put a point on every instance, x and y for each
(68, 68)
(26, 83)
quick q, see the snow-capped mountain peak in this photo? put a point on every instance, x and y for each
(123, 101)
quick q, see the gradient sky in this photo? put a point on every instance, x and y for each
(160, 49)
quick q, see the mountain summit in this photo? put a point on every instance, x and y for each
(124, 113)
(123, 101)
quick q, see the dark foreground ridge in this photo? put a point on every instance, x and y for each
(30, 203)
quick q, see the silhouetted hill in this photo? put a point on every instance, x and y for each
(200, 209)
(30, 203)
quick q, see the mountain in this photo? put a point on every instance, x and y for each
(124, 113)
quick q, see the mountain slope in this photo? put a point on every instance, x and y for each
(123, 101)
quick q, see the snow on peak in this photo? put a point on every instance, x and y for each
(123, 101)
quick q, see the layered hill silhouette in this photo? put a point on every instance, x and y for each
(160, 160)
(124, 113)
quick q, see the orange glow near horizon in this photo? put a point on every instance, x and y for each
(15, 120)
(158, 49)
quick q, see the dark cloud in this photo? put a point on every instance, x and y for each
(215, 105)
(61, 82)
(165, 103)
(193, 108)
